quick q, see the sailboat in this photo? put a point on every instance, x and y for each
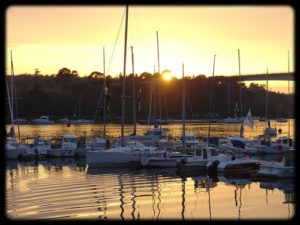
(281, 119)
(11, 145)
(170, 159)
(80, 120)
(122, 155)
(157, 135)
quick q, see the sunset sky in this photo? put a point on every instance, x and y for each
(50, 38)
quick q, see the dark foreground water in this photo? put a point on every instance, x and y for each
(68, 189)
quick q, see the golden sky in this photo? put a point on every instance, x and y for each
(52, 37)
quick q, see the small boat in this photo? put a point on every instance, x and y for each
(42, 120)
(279, 170)
(281, 120)
(62, 146)
(81, 121)
(234, 165)
(64, 120)
(20, 121)
(231, 120)
(33, 147)
(202, 155)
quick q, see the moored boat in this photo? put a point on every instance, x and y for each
(42, 120)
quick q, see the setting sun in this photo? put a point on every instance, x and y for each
(167, 76)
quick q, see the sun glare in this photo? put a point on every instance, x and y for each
(167, 75)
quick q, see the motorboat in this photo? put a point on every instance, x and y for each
(63, 146)
(202, 155)
(42, 120)
(33, 147)
(279, 170)
(234, 165)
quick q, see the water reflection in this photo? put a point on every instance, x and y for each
(67, 188)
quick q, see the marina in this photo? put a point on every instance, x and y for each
(176, 143)
(35, 188)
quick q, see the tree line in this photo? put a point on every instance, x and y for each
(65, 94)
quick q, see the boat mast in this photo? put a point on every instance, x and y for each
(241, 103)
(124, 75)
(240, 84)
(105, 96)
(183, 108)
(211, 99)
(288, 96)
(150, 101)
(267, 96)
(159, 95)
(10, 100)
(228, 98)
(79, 109)
(133, 94)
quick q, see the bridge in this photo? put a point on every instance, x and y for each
(257, 77)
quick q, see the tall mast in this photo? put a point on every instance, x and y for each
(267, 96)
(79, 107)
(211, 99)
(183, 108)
(228, 98)
(240, 84)
(159, 95)
(289, 96)
(150, 101)
(124, 75)
(10, 101)
(133, 94)
(12, 82)
(105, 96)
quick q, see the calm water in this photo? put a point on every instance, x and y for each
(69, 189)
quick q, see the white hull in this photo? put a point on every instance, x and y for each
(119, 155)
(238, 165)
(277, 172)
